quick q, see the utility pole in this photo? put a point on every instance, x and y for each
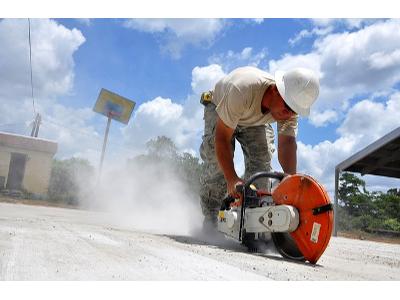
(36, 125)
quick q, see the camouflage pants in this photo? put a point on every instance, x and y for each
(257, 144)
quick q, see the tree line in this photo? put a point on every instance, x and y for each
(368, 211)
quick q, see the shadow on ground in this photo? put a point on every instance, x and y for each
(234, 246)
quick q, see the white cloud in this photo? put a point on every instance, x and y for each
(346, 58)
(321, 119)
(288, 61)
(381, 60)
(155, 118)
(84, 21)
(323, 21)
(364, 123)
(69, 127)
(204, 78)
(320, 160)
(161, 109)
(177, 33)
(353, 23)
(309, 33)
(325, 26)
(246, 57)
(258, 20)
(370, 119)
(351, 63)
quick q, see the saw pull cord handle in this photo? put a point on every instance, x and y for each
(244, 188)
(230, 199)
(226, 203)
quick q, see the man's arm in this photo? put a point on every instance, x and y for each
(223, 149)
(287, 156)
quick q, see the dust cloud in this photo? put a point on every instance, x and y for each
(151, 198)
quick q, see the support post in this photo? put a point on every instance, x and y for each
(104, 146)
(335, 214)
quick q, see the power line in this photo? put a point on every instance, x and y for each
(15, 127)
(30, 63)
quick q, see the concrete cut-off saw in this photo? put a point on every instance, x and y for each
(296, 213)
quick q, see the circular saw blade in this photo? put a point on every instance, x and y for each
(286, 246)
(316, 216)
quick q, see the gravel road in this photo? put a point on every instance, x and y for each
(46, 243)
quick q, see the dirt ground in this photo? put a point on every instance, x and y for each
(358, 235)
(48, 243)
(6, 199)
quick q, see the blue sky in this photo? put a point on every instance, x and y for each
(164, 65)
(130, 63)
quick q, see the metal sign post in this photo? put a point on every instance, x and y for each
(104, 144)
(115, 107)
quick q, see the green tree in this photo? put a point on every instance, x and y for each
(69, 178)
(190, 169)
(388, 205)
(162, 153)
(353, 195)
(162, 147)
(369, 211)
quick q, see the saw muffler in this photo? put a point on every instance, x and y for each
(297, 213)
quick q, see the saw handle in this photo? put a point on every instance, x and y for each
(240, 188)
(275, 175)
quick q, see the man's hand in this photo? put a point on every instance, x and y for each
(231, 187)
(287, 155)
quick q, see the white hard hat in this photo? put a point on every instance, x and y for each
(299, 88)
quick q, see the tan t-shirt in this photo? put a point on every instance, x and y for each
(238, 99)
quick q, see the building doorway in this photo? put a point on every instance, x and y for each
(16, 171)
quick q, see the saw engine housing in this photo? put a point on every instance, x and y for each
(297, 213)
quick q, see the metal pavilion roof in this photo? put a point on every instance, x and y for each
(382, 157)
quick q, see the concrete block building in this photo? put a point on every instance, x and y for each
(25, 163)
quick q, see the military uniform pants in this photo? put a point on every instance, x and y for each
(257, 144)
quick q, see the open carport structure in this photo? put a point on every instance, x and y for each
(380, 158)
